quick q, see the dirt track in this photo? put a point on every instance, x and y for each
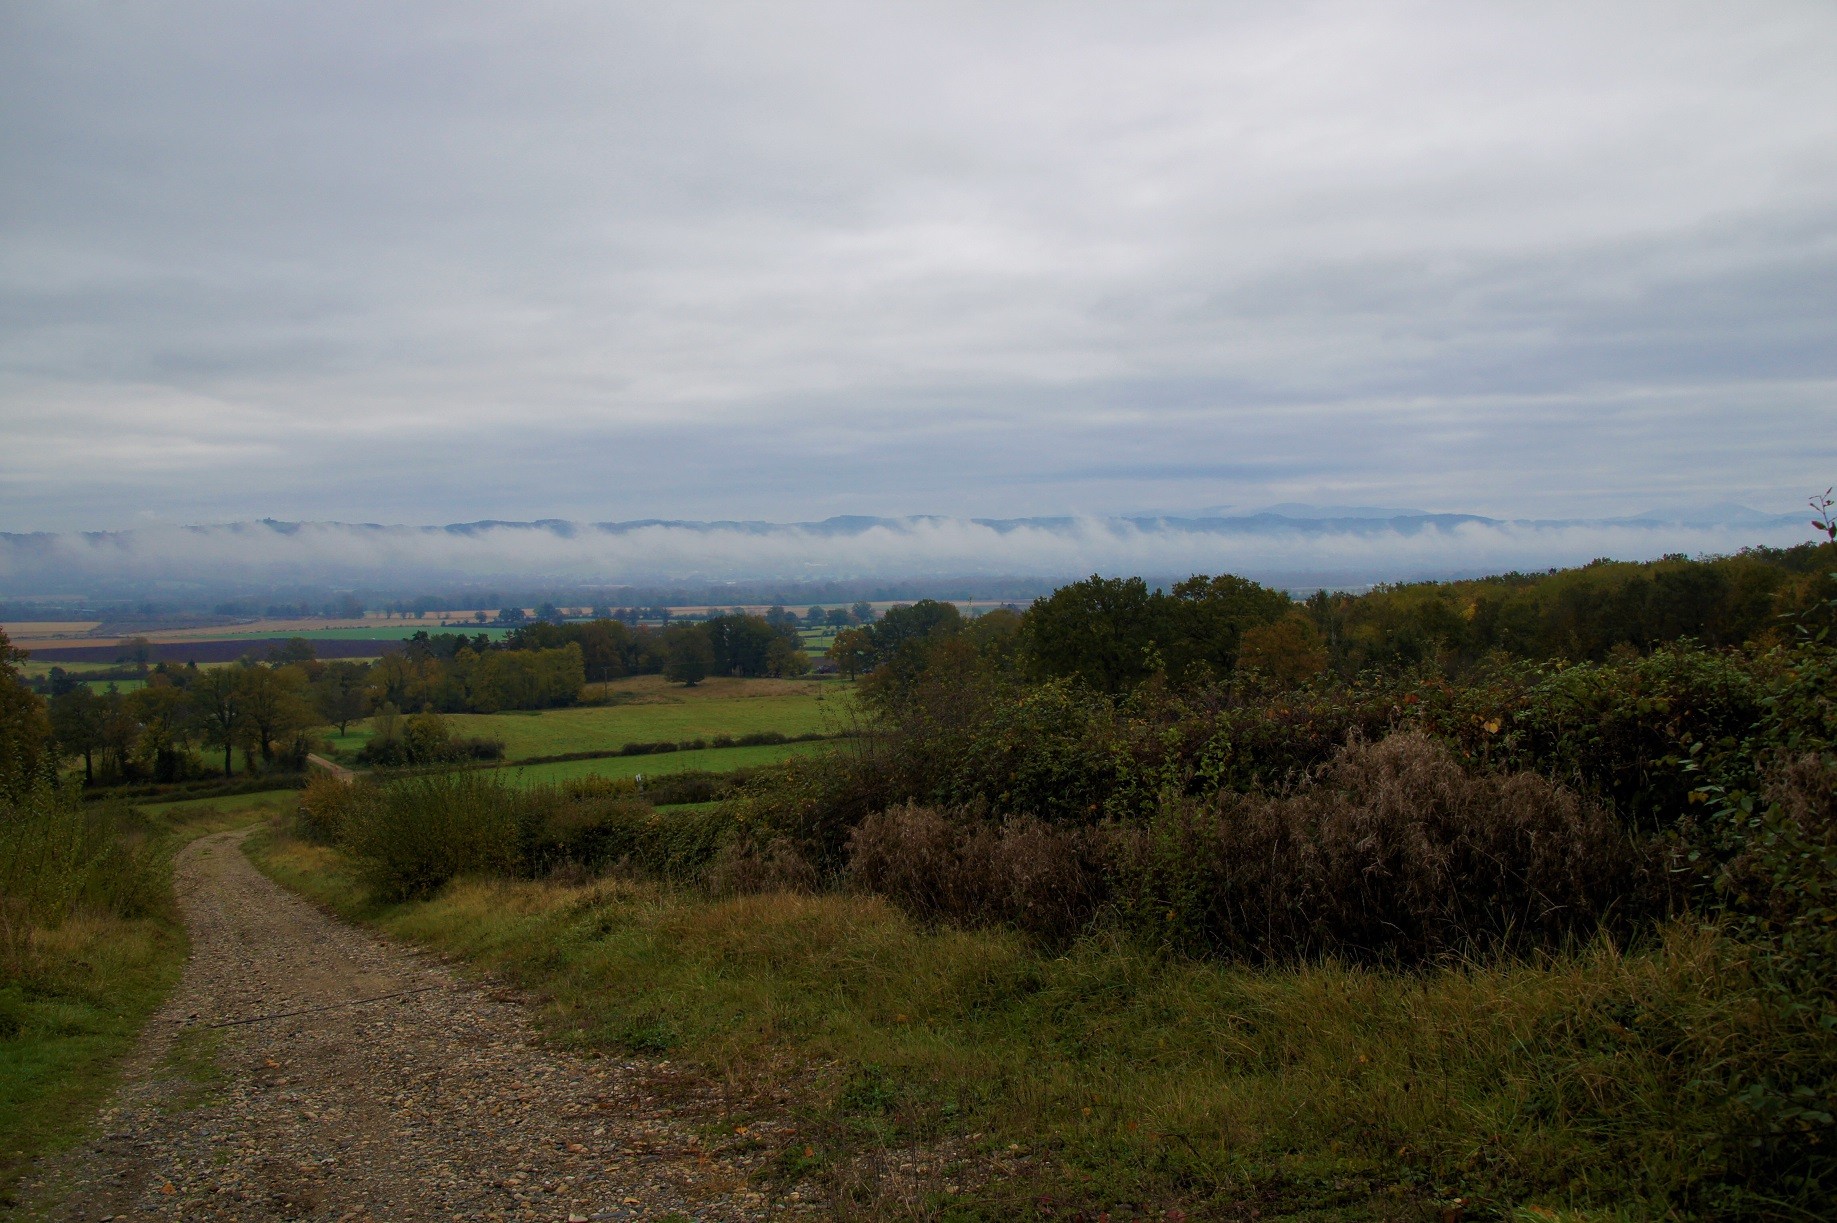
(400, 1092)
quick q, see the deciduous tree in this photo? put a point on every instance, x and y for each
(852, 651)
(274, 706)
(340, 693)
(688, 655)
(25, 731)
(215, 697)
(76, 721)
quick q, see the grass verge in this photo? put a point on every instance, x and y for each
(66, 1026)
(1106, 1079)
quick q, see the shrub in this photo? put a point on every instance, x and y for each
(424, 739)
(741, 867)
(1023, 872)
(813, 802)
(1393, 852)
(667, 845)
(415, 834)
(326, 804)
(1788, 889)
(696, 786)
(596, 823)
(424, 831)
(648, 749)
(1773, 813)
(1618, 728)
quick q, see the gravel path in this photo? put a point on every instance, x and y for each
(306, 1069)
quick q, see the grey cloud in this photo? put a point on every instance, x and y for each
(438, 261)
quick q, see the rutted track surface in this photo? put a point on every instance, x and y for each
(400, 1092)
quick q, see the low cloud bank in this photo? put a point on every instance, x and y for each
(1272, 548)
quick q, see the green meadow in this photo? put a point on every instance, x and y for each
(646, 709)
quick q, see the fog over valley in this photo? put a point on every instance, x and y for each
(1298, 546)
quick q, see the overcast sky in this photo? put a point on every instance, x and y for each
(442, 262)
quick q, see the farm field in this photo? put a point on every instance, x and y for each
(33, 668)
(49, 633)
(713, 760)
(817, 641)
(37, 669)
(648, 709)
(21, 632)
(392, 630)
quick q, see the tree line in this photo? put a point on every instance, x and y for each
(1113, 634)
(155, 732)
(734, 644)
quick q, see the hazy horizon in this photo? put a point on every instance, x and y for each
(1283, 551)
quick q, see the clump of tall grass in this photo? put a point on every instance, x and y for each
(60, 857)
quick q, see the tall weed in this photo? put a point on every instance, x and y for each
(59, 857)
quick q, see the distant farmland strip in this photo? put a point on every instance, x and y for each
(216, 650)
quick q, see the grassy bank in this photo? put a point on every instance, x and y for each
(1109, 1079)
(63, 1034)
(69, 1015)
